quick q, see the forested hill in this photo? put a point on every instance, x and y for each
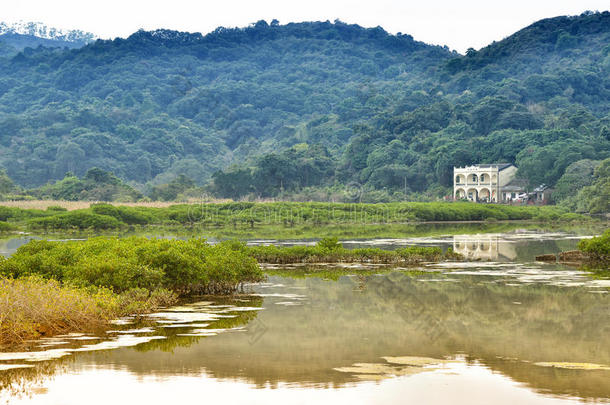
(163, 102)
(539, 98)
(551, 56)
(283, 107)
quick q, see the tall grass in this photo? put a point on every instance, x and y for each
(31, 307)
(248, 214)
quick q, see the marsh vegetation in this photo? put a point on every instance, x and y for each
(246, 215)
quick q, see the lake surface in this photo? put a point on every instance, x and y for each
(502, 330)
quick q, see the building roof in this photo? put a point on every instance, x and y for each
(515, 185)
(499, 166)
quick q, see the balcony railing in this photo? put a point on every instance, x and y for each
(480, 183)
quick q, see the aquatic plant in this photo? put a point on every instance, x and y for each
(6, 227)
(328, 250)
(598, 248)
(32, 306)
(184, 266)
(289, 214)
(76, 219)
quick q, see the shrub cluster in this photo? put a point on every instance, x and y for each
(597, 248)
(76, 220)
(106, 216)
(5, 227)
(186, 267)
(329, 250)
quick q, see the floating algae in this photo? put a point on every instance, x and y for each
(209, 332)
(380, 369)
(415, 361)
(185, 317)
(185, 325)
(574, 366)
(288, 303)
(372, 377)
(395, 366)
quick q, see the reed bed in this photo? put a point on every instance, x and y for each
(329, 250)
(249, 214)
(32, 307)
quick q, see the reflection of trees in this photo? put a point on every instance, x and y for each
(494, 323)
(20, 380)
(401, 315)
(360, 319)
(172, 340)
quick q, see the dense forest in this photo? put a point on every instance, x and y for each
(304, 110)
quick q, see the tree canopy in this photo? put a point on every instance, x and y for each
(272, 109)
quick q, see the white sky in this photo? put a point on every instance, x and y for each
(459, 24)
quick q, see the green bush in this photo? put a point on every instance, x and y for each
(330, 251)
(79, 219)
(573, 217)
(6, 227)
(56, 208)
(598, 248)
(186, 267)
(127, 215)
(331, 244)
(107, 216)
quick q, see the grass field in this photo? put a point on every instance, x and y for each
(244, 214)
(77, 205)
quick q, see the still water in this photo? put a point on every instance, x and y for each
(502, 330)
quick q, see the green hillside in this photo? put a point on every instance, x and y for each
(286, 109)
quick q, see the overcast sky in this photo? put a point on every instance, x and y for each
(459, 24)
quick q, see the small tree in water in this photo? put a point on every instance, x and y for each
(331, 244)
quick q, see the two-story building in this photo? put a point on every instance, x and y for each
(485, 182)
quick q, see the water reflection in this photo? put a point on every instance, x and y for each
(516, 246)
(499, 331)
(10, 245)
(480, 247)
(335, 325)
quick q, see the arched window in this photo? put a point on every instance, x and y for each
(474, 178)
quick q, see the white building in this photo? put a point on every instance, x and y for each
(485, 183)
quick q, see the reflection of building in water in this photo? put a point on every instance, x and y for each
(484, 247)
